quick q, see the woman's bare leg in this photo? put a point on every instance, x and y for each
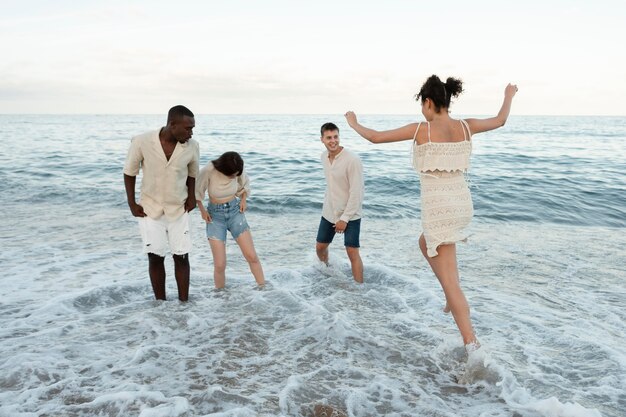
(246, 245)
(445, 268)
(218, 249)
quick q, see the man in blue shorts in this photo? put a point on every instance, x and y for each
(343, 200)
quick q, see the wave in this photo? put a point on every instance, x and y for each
(310, 337)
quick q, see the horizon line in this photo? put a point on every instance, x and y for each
(299, 114)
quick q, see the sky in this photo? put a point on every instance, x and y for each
(314, 57)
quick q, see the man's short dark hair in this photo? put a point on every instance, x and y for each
(177, 112)
(328, 126)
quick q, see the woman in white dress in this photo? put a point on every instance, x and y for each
(441, 156)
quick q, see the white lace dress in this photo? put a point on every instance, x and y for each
(446, 200)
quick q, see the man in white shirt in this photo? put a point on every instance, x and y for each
(169, 159)
(343, 200)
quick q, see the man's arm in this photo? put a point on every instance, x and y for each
(192, 174)
(129, 184)
(190, 203)
(131, 170)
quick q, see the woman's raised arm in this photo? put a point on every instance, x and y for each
(385, 136)
(484, 125)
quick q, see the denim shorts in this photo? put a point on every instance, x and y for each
(326, 232)
(225, 217)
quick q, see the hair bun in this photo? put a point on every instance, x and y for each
(454, 86)
(439, 92)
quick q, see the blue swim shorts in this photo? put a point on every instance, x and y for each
(326, 232)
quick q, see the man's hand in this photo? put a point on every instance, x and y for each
(136, 209)
(340, 226)
(190, 204)
(242, 206)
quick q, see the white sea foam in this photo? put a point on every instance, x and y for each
(307, 338)
(81, 336)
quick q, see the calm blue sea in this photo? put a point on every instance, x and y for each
(543, 271)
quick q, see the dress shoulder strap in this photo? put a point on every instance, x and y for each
(469, 132)
(463, 129)
(416, 130)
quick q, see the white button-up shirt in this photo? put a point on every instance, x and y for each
(344, 187)
(164, 183)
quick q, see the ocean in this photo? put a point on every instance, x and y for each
(543, 271)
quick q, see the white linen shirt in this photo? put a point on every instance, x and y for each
(164, 183)
(345, 188)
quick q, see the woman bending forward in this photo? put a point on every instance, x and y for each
(228, 187)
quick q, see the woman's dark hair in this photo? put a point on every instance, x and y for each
(229, 163)
(439, 92)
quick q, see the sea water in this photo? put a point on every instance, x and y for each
(543, 270)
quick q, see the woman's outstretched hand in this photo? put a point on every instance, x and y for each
(351, 118)
(510, 90)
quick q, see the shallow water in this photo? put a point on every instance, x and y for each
(543, 271)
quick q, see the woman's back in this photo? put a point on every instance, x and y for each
(450, 130)
(442, 147)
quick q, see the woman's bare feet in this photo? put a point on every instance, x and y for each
(472, 347)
